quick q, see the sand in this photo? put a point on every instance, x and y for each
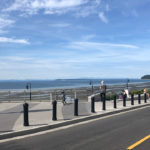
(81, 93)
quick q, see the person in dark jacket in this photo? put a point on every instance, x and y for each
(102, 90)
(63, 97)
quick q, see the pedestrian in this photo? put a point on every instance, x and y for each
(102, 90)
(123, 93)
(146, 92)
(63, 97)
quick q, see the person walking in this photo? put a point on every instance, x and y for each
(102, 90)
(146, 92)
(63, 97)
(123, 93)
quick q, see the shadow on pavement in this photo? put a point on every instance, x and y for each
(40, 110)
(14, 112)
(38, 124)
(6, 131)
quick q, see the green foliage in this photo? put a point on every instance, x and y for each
(111, 97)
(146, 77)
(135, 92)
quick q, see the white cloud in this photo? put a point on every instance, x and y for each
(102, 17)
(2, 31)
(86, 11)
(16, 58)
(107, 7)
(5, 22)
(49, 6)
(96, 45)
(12, 40)
(53, 4)
(81, 8)
(60, 25)
(98, 2)
(88, 37)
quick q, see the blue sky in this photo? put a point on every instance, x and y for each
(48, 39)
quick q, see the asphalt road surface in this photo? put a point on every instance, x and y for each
(144, 146)
(113, 133)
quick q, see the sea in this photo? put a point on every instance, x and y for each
(63, 83)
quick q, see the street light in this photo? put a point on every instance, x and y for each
(128, 83)
(28, 86)
(91, 83)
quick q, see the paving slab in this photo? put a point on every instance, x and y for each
(9, 116)
(4, 106)
(40, 114)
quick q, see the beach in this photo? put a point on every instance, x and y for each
(81, 93)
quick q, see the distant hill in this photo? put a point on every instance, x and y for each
(146, 77)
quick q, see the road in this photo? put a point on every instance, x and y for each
(113, 133)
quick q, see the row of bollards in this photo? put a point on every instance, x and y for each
(54, 112)
(103, 98)
(54, 118)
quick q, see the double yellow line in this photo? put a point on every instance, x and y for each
(138, 143)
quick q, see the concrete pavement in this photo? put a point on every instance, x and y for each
(40, 114)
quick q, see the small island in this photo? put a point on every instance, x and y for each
(146, 77)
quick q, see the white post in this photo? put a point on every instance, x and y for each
(50, 97)
(24, 95)
(9, 95)
(75, 94)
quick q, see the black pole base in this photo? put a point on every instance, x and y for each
(76, 107)
(93, 104)
(26, 124)
(139, 98)
(103, 98)
(115, 103)
(26, 118)
(145, 98)
(54, 118)
(132, 99)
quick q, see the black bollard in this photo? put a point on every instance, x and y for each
(103, 98)
(115, 103)
(54, 118)
(124, 100)
(76, 107)
(132, 99)
(145, 98)
(93, 104)
(26, 118)
(139, 98)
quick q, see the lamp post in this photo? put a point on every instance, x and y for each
(128, 83)
(91, 83)
(28, 86)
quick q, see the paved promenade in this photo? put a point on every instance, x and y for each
(40, 113)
